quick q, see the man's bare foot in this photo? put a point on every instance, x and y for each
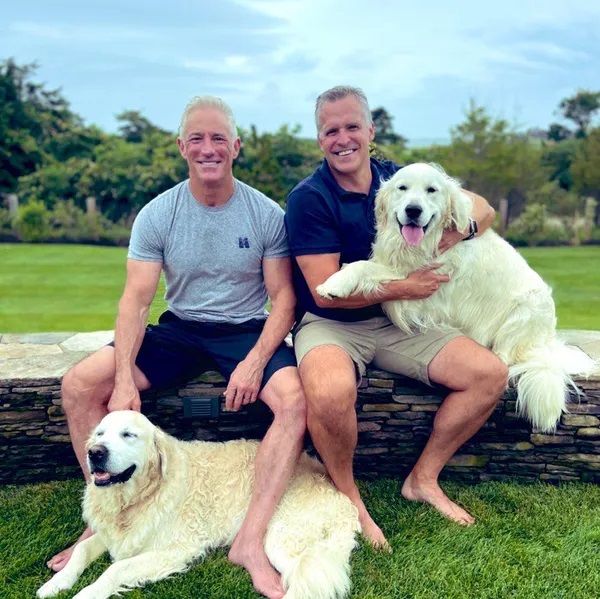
(430, 492)
(59, 561)
(265, 579)
(371, 531)
(368, 528)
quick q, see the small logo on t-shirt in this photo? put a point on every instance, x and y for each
(243, 242)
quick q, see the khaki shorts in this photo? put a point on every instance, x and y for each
(374, 340)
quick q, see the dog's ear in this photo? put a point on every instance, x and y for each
(382, 200)
(160, 446)
(460, 207)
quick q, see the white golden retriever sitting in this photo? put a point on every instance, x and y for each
(493, 296)
(157, 504)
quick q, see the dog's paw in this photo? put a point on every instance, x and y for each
(324, 291)
(58, 583)
(90, 592)
(333, 287)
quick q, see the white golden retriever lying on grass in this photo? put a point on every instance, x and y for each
(157, 504)
(493, 296)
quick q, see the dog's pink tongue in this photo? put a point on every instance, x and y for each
(101, 475)
(413, 235)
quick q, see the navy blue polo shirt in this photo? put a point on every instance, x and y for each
(323, 218)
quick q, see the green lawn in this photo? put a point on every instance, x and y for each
(529, 542)
(76, 288)
(47, 288)
(574, 275)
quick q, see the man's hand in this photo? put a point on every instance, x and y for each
(244, 384)
(420, 284)
(450, 237)
(125, 397)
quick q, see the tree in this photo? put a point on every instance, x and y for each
(135, 127)
(580, 109)
(121, 175)
(491, 158)
(586, 168)
(275, 162)
(125, 176)
(558, 158)
(31, 117)
(558, 132)
(54, 182)
(384, 130)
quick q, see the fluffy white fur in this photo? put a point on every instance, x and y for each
(493, 296)
(185, 498)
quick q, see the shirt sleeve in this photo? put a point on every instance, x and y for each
(145, 243)
(276, 239)
(311, 226)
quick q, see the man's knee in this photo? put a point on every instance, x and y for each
(288, 404)
(73, 390)
(87, 382)
(331, 403)
(464, 365)
(491, 374)
(329, 379)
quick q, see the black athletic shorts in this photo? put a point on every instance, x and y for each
(176, 350)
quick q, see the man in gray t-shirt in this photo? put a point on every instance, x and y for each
(223, 249)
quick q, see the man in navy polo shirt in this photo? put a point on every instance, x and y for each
(330, 221)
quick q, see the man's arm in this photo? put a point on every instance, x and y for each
(482, 213)
(140, 288)
(245, 380)
(317, 268)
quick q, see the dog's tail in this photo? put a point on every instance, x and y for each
(544, 380)
(321, 571)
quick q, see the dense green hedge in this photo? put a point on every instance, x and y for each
(66, 223)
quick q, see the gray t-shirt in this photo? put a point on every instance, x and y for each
(211, 257)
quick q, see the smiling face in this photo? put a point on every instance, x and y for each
(344, 136)
(118, 447)
(417, 198)
(208, 147)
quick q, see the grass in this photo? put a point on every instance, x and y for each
(532, 541)
(49, 288)
(574, 275)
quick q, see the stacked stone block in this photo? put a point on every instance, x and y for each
(395, 417)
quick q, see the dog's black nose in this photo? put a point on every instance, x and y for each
(413, 212)
(97, 454)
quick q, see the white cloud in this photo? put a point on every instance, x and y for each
(553, 52)
(231, 65)
(270, 58)
(411, 42)
(393, 50)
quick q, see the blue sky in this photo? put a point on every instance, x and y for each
(269, 60)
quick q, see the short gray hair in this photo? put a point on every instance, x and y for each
(339, 92)
(209, 102)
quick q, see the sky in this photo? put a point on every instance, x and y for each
(269, 59)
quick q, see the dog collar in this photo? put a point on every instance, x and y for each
(473, 229)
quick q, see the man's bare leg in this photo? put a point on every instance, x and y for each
(329, 382)
(478, 379)
(275, 462)
(86, 389)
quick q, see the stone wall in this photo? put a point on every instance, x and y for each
(395, 416)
